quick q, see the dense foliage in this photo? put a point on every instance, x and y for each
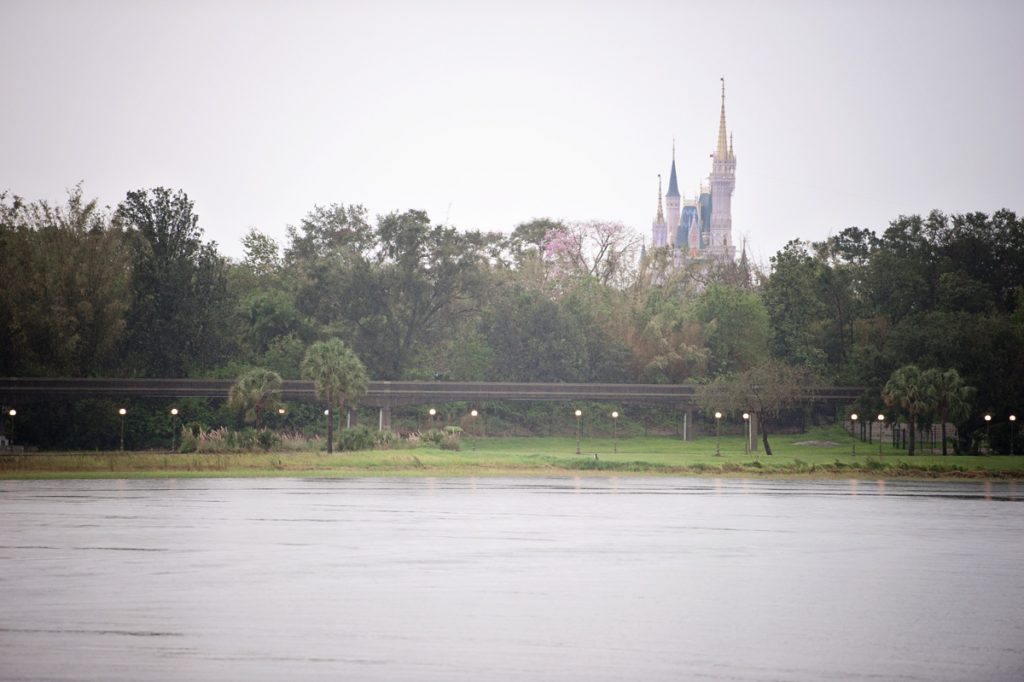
(136, 291)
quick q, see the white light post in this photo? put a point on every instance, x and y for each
(1013, 420)
(853, 418)
(122, 412)
(881, 424)
(174, 426)
(746, 424)
(718, 434)
(988, 432)
(12, 414)
(473, 414)
(615, 434)
(579, 413)
(432, 412)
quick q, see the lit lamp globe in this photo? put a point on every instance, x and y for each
(174, 411)
(122, 412)
(473, 413)
(579, 413)
(432, 412)
(13, 413)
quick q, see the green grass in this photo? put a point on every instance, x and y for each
(804, 455)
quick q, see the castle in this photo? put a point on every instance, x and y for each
(700, 228)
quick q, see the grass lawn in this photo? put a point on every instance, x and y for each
(825, 453)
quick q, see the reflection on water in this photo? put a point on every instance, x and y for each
(470, 579)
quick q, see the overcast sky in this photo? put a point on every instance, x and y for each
(489, 114)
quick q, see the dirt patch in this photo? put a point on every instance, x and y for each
(818, 443)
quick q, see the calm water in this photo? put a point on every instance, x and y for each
(588, 579)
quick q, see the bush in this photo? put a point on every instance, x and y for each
(356, 438)
(435, 436)
(451, 443)
(267, 439)
(386, 440)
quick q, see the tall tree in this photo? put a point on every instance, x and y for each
(909, 389)
(180, 307)
(766, 390)
(951, 397)
(338, 374)
(605, 251)
(63, 312)
(395, 297)
(255, 393)
(736, 328)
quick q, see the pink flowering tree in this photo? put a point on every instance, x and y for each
(604, 251)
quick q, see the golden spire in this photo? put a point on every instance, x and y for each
(721, 154)
(661, 214)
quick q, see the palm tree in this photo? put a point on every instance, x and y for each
(338, 375)
(908, 388)
(255, 392)
(952, 398)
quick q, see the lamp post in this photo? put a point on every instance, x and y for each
(579, 413)
(473, 414)
(122, 412)
(853, 418)
(718, 434)
(1013, 420)
(881, 424)
(746, 429)
(988, 432)
(615, 433)
(12, 413)
(327, 416)
(432, 412)
(174, 426)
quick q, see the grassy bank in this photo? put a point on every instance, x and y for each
(823, 453)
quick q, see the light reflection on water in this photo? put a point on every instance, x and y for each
(458, 579)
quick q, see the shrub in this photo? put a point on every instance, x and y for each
(189, 443)
(435, 436)
(386, 440)
(267, 439)
(451, 443)
(356, 438)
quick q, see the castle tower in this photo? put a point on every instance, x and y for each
(659, 228)
(723, 182)
(672, 197)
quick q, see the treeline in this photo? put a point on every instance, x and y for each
(137, 291)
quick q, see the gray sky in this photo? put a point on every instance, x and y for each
(490, 114)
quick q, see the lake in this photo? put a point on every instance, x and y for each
(511, 579)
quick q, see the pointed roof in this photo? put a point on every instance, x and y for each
(661, 214)
(673, 186)
(722, 152)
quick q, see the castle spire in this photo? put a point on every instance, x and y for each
(722, 152)
(661, 214)
(673, 186)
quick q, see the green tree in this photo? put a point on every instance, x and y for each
(909, 389)
(255, 393)
(765, 390)
(736, 328)
(951, 397)
(795, 308)
(181, 309)
(338, 374)
(398, 296)
(66, 288)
